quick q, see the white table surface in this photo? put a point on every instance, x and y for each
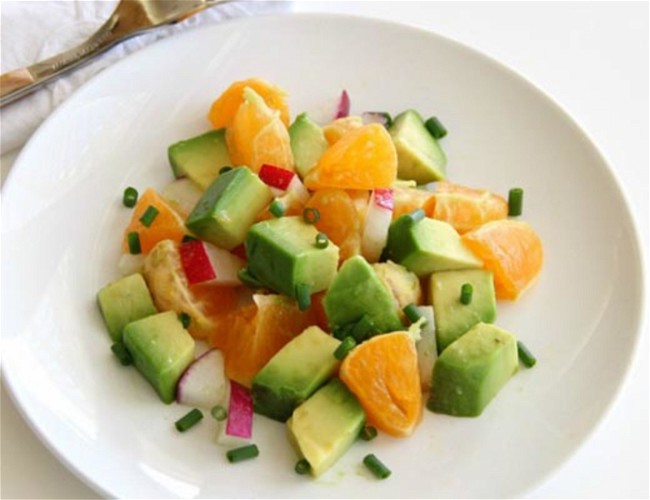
(592, 58)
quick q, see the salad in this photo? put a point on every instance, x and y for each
(329, 275)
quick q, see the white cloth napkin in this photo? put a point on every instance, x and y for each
(33, 31)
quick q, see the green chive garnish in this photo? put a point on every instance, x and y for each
(466, 292)
(515, 201)
(121, 354)
(322, 240)
(187, 238)
(276, 208)
(244, 453)
(189, 420)
(223, 170)
(363, 329)
(311, 215)
(435, 128)
(303, 296)
(344, 348)
(376, 467)
(417, 215)
(248, 279)
(368, 433)
(302, 466)
(412, 313)
(149, 216)
(133, 240)
(130, 197)
(219, 413)
(525, 356)
(185, 319)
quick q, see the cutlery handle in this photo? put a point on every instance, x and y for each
(20, 82)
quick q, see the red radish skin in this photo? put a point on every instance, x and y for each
(196, 262)
(384, 198)
(240, 412)
(344, 105)
(276, 177)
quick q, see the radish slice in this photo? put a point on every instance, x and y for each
(237, 429)
(205, 263)
(182, 195)
(276, 177)
(129, 263)
(343, 109)
(297, 190)
(204, 383)
(380, 117)
(426, 347)
(378, 218)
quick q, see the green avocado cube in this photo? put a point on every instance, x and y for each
(308, 143)
(428, 245)
(282, 254)
(200, 158)
(472, 370)
(356, 292)
(294, 373)
(123, 301)
(419, 156)
(229, 207)
(324, 427)
(161, 350)
(453, 318)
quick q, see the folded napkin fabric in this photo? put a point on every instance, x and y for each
(33, 31)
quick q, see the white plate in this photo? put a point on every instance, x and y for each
(62, 220)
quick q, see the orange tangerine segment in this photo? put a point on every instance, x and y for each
(339, 127)
(512, 250)
(407, 200)
(257, 135)
(167, 224)
(339, 220)
(364, 158)
(383, 374)
(465, 208)
(223, 110)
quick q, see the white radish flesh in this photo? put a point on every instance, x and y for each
(182, 195)
(378, 219)
(129, 264)
(204, 383)
(205, 263)
(426, 347)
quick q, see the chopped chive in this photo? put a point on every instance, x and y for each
(276, 208)
(122, 354)
(525, 356)
(133, 240)
(248, 279)
(322, 240)
(302, 466)
(417, 215)
(185, 319)
(412, 313)
(130, 197)
(149, 216)
(219, 413)
(344, 348)
(223, 170)
(244, 453)
(376, 467)
(187, 238)
(363, 329)
(340, 332)
(189, 420)
(515, 201)
(435, 128)
(368, 433)
(303, 296)
(466, 292)
(311, 215)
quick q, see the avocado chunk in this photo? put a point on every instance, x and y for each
(454, 318)
(308, 143)
(471, 370)
(161, 350)
(326, 425)
(403, 285)
(419, 156)
(200, 158)
(282, 254)
(427, 246)
(124, 301)
(356, 292)
(294, 373)
(228, 208)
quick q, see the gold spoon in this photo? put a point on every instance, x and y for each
(130, 18)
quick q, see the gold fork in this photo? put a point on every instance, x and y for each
(130, 18)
